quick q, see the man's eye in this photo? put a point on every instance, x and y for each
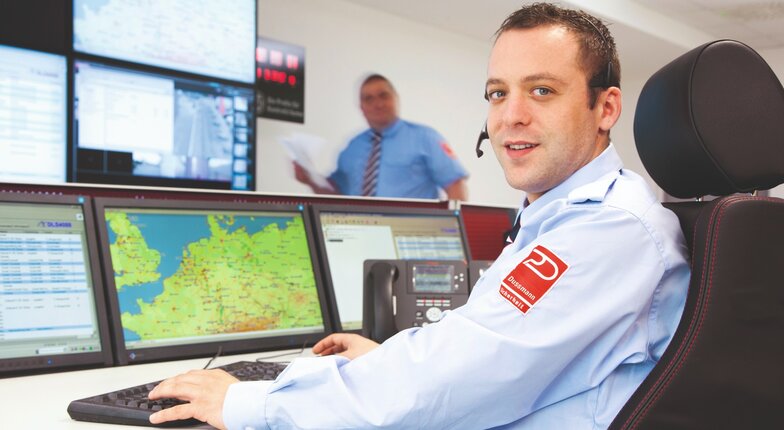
(494, 95)
(542, 91)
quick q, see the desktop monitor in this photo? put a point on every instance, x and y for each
(199, 278)
(138, 127)
(214, 38)
(32, 116)
(349, 235)
(52, 309)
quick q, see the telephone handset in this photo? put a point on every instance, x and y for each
(399, 294)
(377, 306)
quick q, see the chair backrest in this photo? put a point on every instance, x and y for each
(712, 123)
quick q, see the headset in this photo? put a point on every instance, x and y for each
(483, 135)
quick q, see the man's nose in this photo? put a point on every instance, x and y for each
(517, 111)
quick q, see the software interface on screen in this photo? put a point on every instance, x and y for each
(205, 37)
(351, 238)
(32, 116)
(47, 302)
(187, 276)
(165, 127)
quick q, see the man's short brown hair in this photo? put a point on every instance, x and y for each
(599, 57)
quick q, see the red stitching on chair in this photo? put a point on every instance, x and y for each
(666, 375)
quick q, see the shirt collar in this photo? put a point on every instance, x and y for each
(392, 129)
(590, 182)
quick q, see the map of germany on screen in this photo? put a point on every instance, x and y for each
(192, 276)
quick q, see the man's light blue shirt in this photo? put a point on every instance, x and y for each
(570, 362)
(415, 162)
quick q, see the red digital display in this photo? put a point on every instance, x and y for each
(280, 80)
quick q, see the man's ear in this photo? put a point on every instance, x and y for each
(609, 105)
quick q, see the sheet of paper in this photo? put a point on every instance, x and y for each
(304, 148)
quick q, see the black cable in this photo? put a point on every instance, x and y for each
(266, 358)
(217, 354)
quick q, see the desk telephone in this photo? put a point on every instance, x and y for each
(399, 294)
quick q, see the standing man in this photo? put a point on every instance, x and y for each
(568, 321)
(394, 157)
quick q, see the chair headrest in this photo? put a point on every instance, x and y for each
(711, 122)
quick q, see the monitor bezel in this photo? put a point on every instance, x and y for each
(125, 356)
(59, 362)
(317, 209)
(86, 176)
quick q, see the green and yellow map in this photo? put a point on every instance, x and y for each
(185, 275)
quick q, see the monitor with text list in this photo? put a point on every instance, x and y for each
(52, 308)
(33, 116)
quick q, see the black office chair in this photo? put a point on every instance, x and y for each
(712, 123)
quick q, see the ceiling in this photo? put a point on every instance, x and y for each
(754, 22)
(759, 24)
(649, 33)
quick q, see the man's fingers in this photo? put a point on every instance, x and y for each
(184, 386)
(328, 351)
(323, 344)
(333, 342)
(179, 412)
(173, 389)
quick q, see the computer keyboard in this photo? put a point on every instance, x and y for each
(130, 406)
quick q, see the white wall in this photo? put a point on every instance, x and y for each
(439, 76)
(775, 58)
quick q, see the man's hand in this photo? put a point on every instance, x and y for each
(457, 190)
(204, 389)
(348, 345)
(301, 174)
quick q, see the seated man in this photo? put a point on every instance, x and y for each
(566, 323)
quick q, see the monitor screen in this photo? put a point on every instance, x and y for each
(32, 116)
(204, 37)
(349, 235)
(191, 278)
(139, 128)
(52, 309)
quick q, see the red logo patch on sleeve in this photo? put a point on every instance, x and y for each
(530, 280)
(448, 150)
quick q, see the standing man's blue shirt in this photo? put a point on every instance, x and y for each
(415, 162)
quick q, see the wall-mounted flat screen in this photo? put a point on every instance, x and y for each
(141, 128)
(33, 116)
(214, 38)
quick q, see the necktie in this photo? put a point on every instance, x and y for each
(511, 234)
(370, 178)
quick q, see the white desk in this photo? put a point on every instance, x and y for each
(40, 402)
